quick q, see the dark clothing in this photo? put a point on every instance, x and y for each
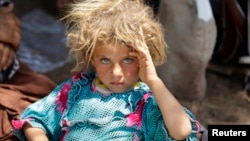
(24, 88)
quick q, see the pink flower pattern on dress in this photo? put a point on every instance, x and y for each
(18, 124)
(136, 117)
(136, 138)
(65, 129)
(61, 99)
(76, 77)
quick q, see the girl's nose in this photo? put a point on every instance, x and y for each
(116, 69)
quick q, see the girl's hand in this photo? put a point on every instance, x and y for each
(175, 118)
(147, 71)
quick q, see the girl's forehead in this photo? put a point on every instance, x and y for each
(112, 48)
(110, 45)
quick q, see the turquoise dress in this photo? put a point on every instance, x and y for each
(78, 110)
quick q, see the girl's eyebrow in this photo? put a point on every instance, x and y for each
(101, 56)
(130, 46)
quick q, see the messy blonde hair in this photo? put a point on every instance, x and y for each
(90, 22)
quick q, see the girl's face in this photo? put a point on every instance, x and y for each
(114, 67)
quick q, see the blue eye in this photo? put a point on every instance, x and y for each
(105, 60)
(128, 60)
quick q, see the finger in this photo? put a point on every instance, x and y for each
(139, 57)
(1, 52)
(3, 57)
(13, 38)
(14, 21)
(9, 61)
(134, 54)
(140, 54)
(7, 57)
(16, 39)
(16, 36)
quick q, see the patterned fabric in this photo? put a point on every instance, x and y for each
(75, 110)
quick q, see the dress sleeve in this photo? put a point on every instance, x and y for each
(153, 125)
(43, 114)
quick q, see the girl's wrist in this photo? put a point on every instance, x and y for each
(154, 82)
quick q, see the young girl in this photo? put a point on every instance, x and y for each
(116, 94)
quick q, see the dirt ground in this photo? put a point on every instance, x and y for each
(225, 101)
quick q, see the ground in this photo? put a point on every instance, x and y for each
(225, 101)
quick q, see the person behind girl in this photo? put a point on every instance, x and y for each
(116, 93)
(19, 85)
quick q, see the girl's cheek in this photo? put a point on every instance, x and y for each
(135, 68)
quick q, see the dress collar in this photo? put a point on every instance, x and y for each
(98, 86)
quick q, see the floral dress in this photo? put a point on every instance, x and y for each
(80, 109)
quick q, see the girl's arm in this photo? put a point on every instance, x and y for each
(174, 116)
(42, 117)
(30, 132)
